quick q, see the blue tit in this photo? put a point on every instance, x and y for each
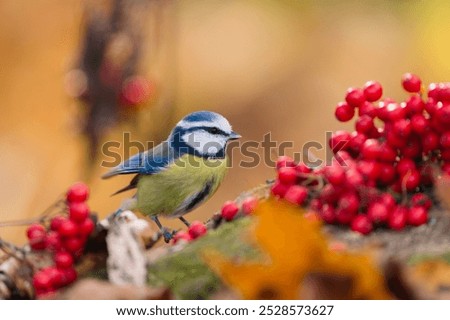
(182, 172)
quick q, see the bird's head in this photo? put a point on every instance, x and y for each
(204, 134)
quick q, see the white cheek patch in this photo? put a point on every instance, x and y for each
(204, 142)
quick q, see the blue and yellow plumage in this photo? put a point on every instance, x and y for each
(182, 172)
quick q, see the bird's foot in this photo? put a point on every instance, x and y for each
(167, 234)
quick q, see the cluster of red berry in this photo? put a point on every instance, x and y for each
(385, 162)
(65, 238)
(228, 212)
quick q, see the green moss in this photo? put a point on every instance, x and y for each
(186, 273)
(419, 258)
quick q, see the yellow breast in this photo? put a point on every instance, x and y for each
(185, 184)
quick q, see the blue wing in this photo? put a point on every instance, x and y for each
(145, 163)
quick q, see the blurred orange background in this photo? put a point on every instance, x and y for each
(276, 66)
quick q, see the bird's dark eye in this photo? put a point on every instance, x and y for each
(213, 130)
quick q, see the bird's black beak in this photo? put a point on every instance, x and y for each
(234, 136)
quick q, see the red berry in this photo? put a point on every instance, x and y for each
(364, 124)
(369, 169)
(327, 213)
(433, 91)
(373, 91)
(402, 128)
(330, 193)
(56, 276)
(415, 105)
(370, 150)
(397, 219)
(388, 174)
(378, 212)
(445, 140)
(349, 202)
(86, 227)
(411, 82)
(68, 228)
(249, 205)
(78, 192)
(302, 168)
(362, 224)
(387, 153)
(411, 180)
(285, 161)
(197, 229)
(63, 260)
(417, 216)
(344, 216)
(421, 200)
(56, 222)
(344, 112)
(405, 165)
(229, 210)
(354, 178)
(431, 106)
(339, 140)
(394, 140)
(419, 123)
(355, 97)
(278, 189)
(35, 228)
(443, 114)
(367, 108)
(315, 205)
(287, 175)
(335, 175)
(78, 211)
(181, 236)
(356, 141)
(296, 195)
(413, 147)
(74, 245)
(53, 241)
(70, 275)
(388, 200)
(395, 111)
(430, 141)
(42, 281)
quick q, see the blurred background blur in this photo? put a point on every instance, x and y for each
(276, 66)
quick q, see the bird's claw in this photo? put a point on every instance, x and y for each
(167, 234)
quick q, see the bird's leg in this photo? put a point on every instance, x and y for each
(184, 221)
(165, 232)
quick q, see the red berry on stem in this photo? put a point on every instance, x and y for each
(344, 216)
(411, 180)
(419, 123)
(287, 175)
(229, 210)
(181, 236)
(430, 141)
(355, 97)
(296, 195)
(344, 112)
(370, 150)
(56, 222)
(445, 140)
(249, 205)
(70, 275)
(86, 227)
(36, 239)
(369, 169)
(362, 224)
(354, 178)
(349, 202)
(397, 219)
(422, 200)
(415, 105)
(327, 213)
(335, 175)
(378, 212)
(78, 192)
(388, 174)
(411, 82)
(417, 216)
(285, 161)
(443, 114)
(402, 128)
(197, 229)
(35, 228)
(387, 153)
(78, 211)
(278, 189)
(405, 165)
(373, 91)
(63, 260)
(339, 140)
(74, 245)
(68, 228)
(367, 108)
(356, 141)
(53, 241)
(388, 200)
(364, 124)
(42, 281)
(56, 276)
